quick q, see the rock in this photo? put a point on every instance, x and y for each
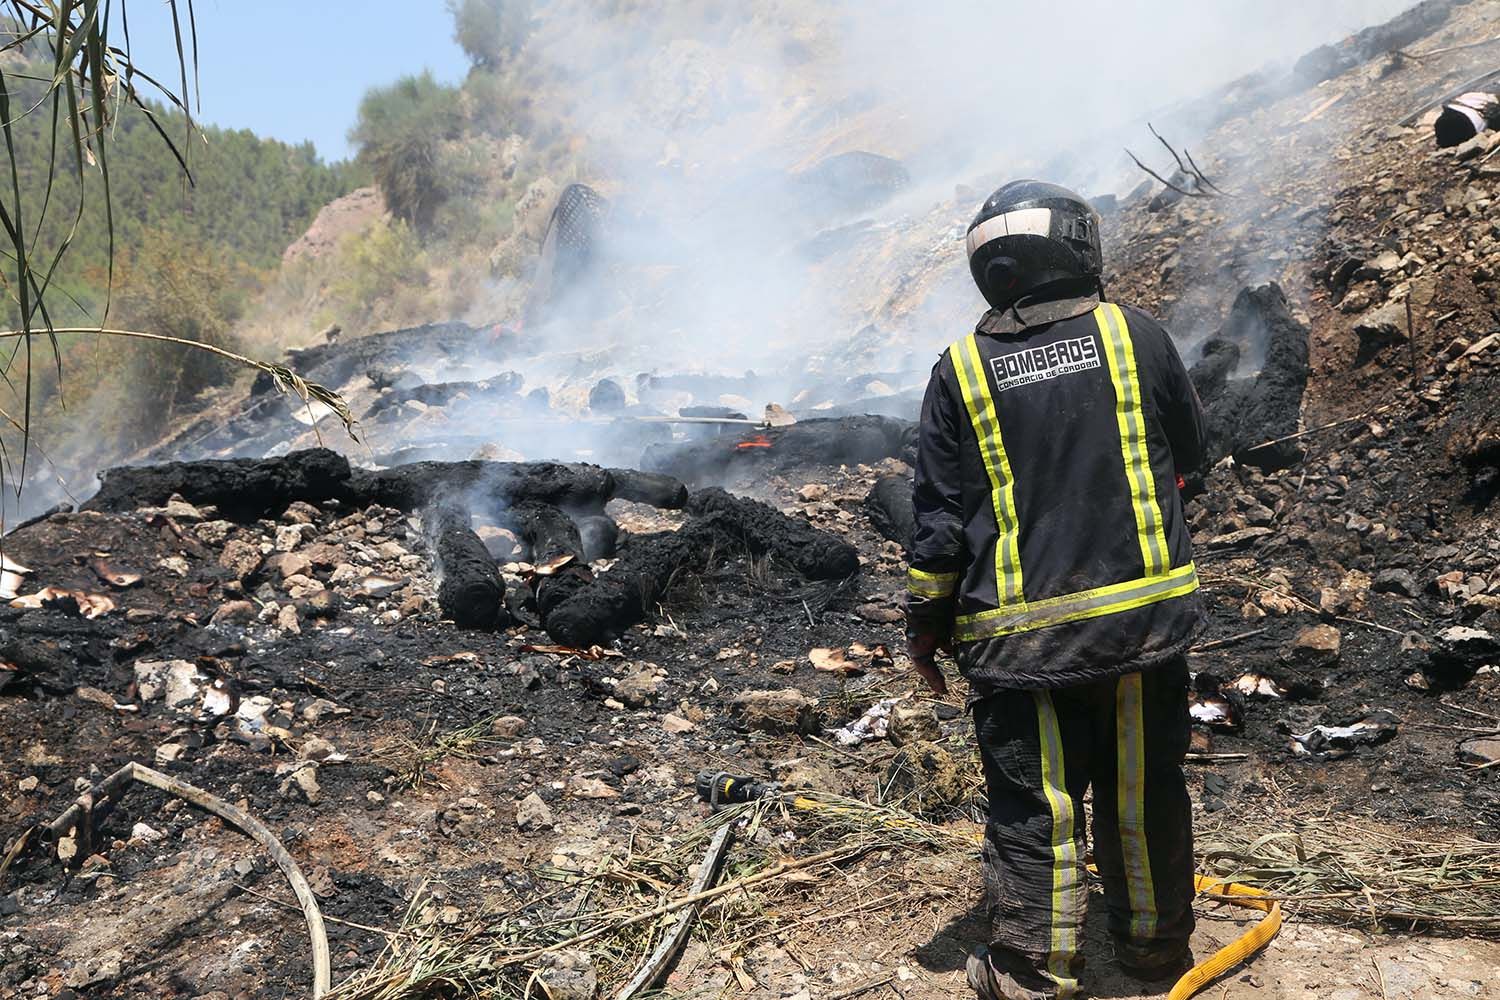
(290, 564)
(813, 492)
(167, 754)
(568, 975)
(141, 833)
(179, 509)
(1453, 585)
(591, 788)
(1396, 581)
(923, 778)
(178, 681)
(1317, 646)
(1348, 597)
(241, 558)
(286, 620)
(532, 813)
(1479, 750)
(300, 512)
(912, 723)
(1236, 539)
(95, 696)
(640, 688)
(786, 711)
(676, 724)
(233, 613)
(507, 727)
(302, 784)
(1383, 264)
(315, 748)
(1464, 642)
(288, 537)
(28, 784)
(1380, 328)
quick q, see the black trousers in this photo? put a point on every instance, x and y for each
(1041, 751)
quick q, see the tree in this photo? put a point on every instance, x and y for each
(490, 31)
(399, 135)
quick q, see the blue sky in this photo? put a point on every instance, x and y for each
(296, 71)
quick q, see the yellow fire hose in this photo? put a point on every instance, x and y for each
(1200, 975)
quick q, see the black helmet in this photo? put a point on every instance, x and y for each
(1034, 240)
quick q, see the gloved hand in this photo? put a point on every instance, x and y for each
(922, 647)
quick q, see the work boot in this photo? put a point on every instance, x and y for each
(1152, 966)
(990, 983)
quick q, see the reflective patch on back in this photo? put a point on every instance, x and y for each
(1037, 364)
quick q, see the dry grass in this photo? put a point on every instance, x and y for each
(412, 758)
(1356, 871)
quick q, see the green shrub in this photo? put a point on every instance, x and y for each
(399, 135)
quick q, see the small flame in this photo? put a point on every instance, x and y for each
(759, 441)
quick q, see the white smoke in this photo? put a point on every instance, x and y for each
(699, 119)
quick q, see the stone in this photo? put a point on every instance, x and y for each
(1484, 750)
(167, 754)
(142, 833)
(290, 564)
(1317, 646)
(1467, 643)
(321, 555)
(1380, 328)
(787, 711)
(1349, 596)
(179, 509)
(300, 512)
(286, 620)
(288, 537)
(568, 975)
(591, 788)
(302, 784)
(532, 814)
(1396, 581)
(507, 727)
(95, 696)
(813, 492)
(315, 748)
(1452, 584)
(233, 613)
(241, 558)
(676, 724)
(28, 784)
(912, 723)
(1237, 539)
(640, 688)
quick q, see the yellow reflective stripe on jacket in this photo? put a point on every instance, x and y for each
(1094, 603)
(1131, 416)
(969, 367)
(934, 585)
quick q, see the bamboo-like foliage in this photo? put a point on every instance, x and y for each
(92, 80)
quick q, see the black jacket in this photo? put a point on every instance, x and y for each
(1050, 540)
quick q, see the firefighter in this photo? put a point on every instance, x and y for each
(1051, 557)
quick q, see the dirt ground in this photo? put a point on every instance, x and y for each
(508, 789)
